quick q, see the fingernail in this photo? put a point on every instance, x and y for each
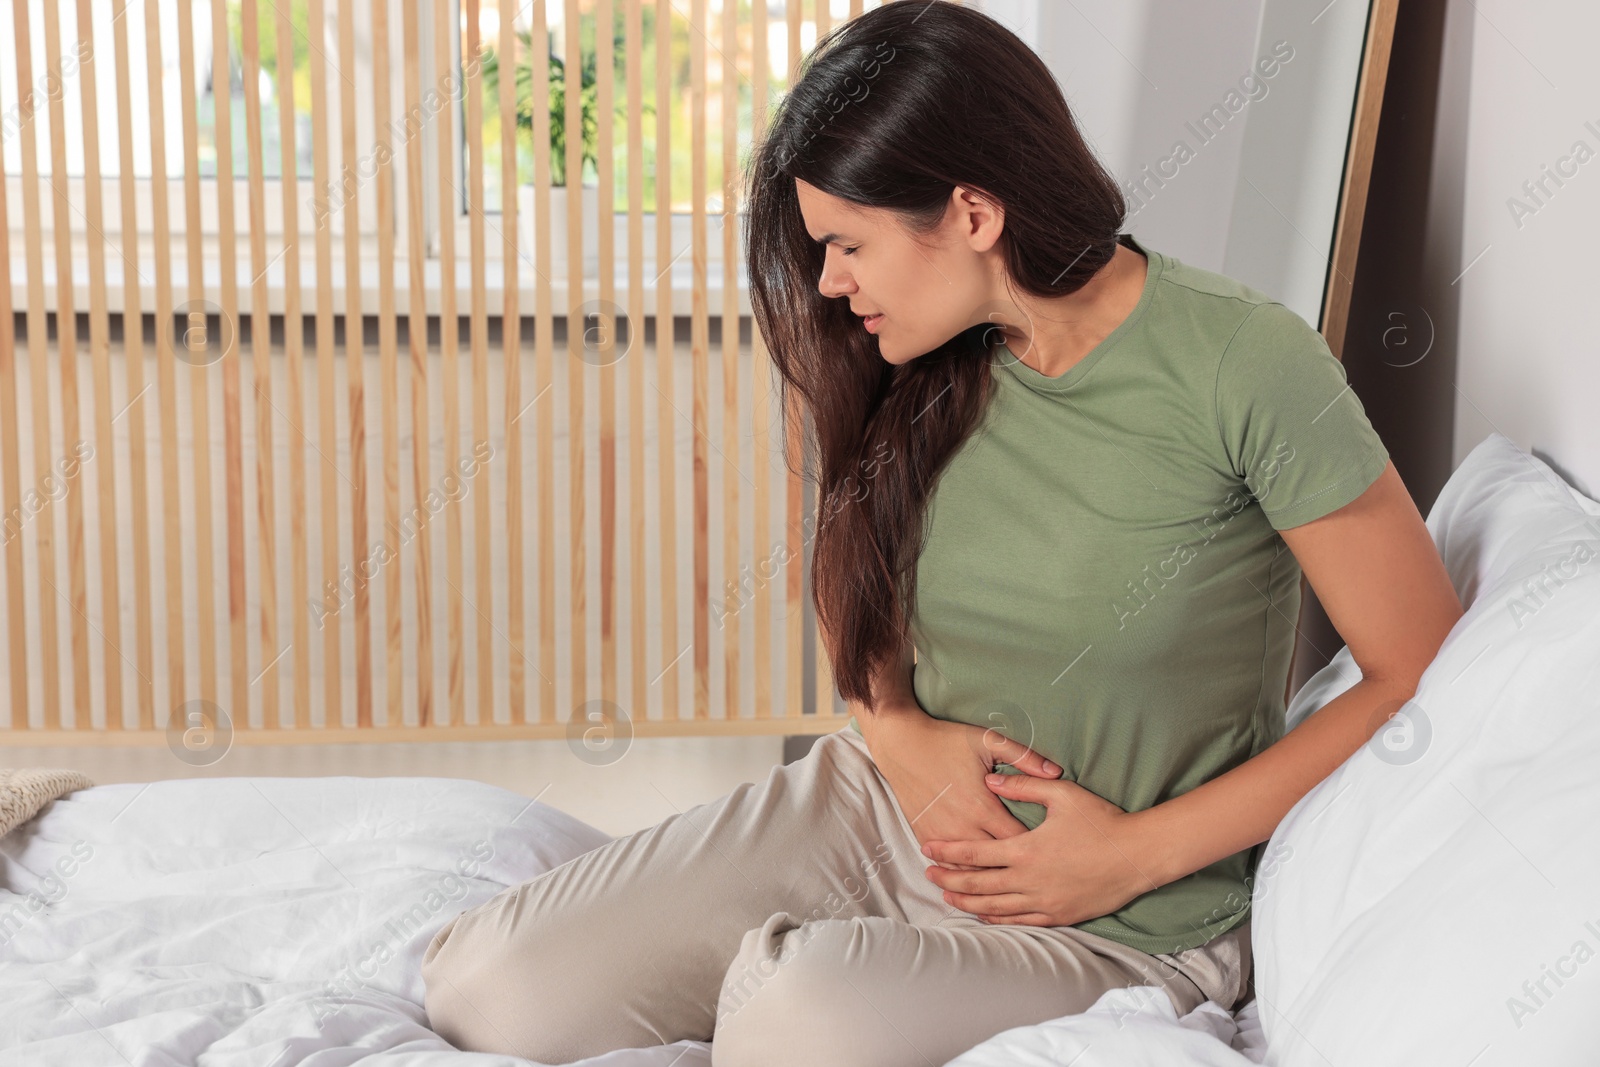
(927, 850)
(993, 779)
(1051, 768)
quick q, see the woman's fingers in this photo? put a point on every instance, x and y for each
(1022, 758)
(995, 747)
(1004, 824)
(982, 819)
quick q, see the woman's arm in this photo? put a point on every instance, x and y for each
(1378, 574)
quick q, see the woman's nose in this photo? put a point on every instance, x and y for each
(832, 282)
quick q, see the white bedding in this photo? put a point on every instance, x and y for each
(1447, 893)
(258, 921)
(1134, 1027)
(262, 922)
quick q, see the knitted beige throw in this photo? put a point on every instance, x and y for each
(24, 791)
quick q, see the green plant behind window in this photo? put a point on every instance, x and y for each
(589, 103)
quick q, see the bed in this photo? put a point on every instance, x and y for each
(267, 921)
(1424, 904)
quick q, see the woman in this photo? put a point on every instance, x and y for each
(1082, 478)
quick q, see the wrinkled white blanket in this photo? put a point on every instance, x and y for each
(256, 922)
(262, 922)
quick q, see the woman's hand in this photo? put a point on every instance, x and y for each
(936, 770)
(1087, 859)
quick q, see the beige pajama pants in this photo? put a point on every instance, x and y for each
(789, 923)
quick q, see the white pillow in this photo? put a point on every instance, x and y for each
(1436, 900)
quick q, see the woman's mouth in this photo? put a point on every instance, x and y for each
(871, 322)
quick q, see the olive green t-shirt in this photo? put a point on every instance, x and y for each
(1103, 579)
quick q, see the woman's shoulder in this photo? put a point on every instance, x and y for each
(1201, 297)
(1206, 314)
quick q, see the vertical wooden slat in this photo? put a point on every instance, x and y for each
(261, 353)
(792, 13)
(700, 328)
(67, 346)
(795, 595)
(134, 354)
(199, 375)
(166, 367)
(294, 364)
(417, 329)
(822, 666)
(449, 343)
(732, 472)
(112, 658)
(666, 352)
(394, 606)
(326, 386)
(511, 337)
(481, 559)
(544, 360)
(760, 413)
(634, 33)
(605, 61)
(232, 422)
(824, 674)
(11, 476)
(354, 357)
(794, 499)
(577, 378)
(354, 365)
(450, 367)
(38, 373)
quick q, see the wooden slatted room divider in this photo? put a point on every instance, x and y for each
(244, 483)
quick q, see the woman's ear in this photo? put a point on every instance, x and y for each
(983, 219)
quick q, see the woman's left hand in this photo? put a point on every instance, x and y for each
(1086, 859)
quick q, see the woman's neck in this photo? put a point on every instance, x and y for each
(1061, 330)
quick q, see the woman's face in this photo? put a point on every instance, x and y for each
(926, 291)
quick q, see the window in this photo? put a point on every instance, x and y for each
(347, 68)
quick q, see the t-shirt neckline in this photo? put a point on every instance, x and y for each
(1040, 382)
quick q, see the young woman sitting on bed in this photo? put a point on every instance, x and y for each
(1082, 478)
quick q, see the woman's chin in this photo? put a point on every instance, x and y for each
(898, 358)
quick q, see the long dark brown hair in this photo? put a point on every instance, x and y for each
(894, 109)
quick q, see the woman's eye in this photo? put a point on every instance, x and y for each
(849, 251)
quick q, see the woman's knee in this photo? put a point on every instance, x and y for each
(458, 988)
(788, 997)
(494, 981)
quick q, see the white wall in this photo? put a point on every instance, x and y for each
(1523, 74)
(1132, 72)
(1226, 123)
(1513, 282)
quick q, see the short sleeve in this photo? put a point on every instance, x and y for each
(1292, 428)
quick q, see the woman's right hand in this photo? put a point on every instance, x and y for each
(936, 769)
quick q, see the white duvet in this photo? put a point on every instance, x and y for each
(272, 921)
(1442, 902)
(257, 921)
